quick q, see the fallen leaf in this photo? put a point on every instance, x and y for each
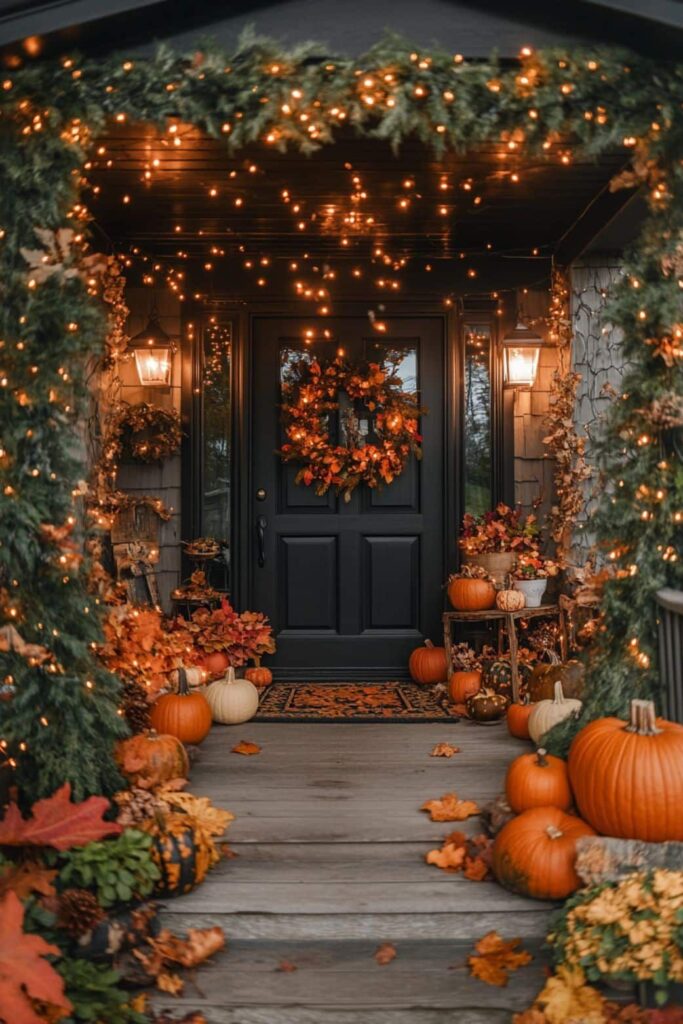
(449, 808)
(26, 878)
(566, 997)
(385, 953)
(171, 983)
(286, 967)
(476, 869)
(444, 750)
(56, 822)
(247, 748)
(197, 946)
(451, 856)
(495, 957)
(24, 974)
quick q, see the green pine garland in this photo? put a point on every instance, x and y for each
(56, 727)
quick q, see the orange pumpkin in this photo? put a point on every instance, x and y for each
(259, 676)
(538, 780)
(428, 664)
(215, 663)
(627, 777)
(462, 685)
(149, 759)
(534, 854)
(183, 714)
(471, 595)
(518, 720)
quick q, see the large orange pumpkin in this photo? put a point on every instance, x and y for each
(534, 853)
(183, 714)
(149, 759)
(627, 777)
(462, 685)
(518, 720)
(471, 595)
(428, 664)
(538, 780)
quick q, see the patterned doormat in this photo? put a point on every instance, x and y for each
(352, 702)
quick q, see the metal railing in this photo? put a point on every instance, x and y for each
(671, 652)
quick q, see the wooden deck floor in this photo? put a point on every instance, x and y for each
(331, 848)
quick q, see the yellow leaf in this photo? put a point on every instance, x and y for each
(567, 999)
(450, 808)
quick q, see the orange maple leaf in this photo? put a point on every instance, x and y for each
(56, 822)
(26, 878)
(476, 869)
(444, 750)
(495, 958)
(450, 808)
(24, 974)
(385, 953)
(449, 858)
(247, 748)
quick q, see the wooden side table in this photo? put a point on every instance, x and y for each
(506, 624)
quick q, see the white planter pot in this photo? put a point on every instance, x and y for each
(533, 591)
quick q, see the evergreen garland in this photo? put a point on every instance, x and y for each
(63, 718)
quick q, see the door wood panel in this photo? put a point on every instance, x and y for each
(350, 587)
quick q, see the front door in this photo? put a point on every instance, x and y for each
(350, 587)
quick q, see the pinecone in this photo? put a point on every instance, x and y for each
(135, 707)
(137, 805)
(79, 911)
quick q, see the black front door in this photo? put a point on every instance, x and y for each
(350, 587)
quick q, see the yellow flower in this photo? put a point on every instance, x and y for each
(640, 932)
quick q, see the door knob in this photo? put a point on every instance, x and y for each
(261, 494)
(261, 524)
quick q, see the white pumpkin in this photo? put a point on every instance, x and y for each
(548, 713)
(232, 700)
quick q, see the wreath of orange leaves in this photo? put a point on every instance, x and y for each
(311, 391)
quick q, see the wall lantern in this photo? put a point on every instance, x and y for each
(521, 351)
(153, 350)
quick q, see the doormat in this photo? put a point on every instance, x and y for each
(353, 702)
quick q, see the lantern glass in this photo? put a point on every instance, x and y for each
(521, 364)
(154, 366)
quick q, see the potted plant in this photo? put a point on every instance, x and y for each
(472, 589)
(465, 680)
(530, 574)
(494, 539)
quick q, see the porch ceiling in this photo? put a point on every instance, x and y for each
(193, 202)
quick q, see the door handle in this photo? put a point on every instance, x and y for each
(261, 524)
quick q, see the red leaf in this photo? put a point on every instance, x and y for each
(24, 975)
(385, 953)
(56, 822)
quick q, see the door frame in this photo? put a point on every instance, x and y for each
(241, 314)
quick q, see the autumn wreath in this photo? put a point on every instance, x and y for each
(377, 446)
(147, 433)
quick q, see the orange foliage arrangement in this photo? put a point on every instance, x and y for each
(243, 637)
(139, 646)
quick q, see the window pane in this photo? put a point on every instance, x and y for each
(478, 457)
(217, 441)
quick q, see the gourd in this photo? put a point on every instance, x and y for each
(259, 675)
(544, 676)
(627, 777)
(538, 780)
(232, 700)
(428, 664)
(510, 600)
(184, 714)
(534, 854)
(497, 675)
(195, 676)
(149, 759)
(549, 713)
(463, 685)
(181, 850)
(486, 706)
(471, 595)
(518, 720)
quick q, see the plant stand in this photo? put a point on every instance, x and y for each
(506, 626)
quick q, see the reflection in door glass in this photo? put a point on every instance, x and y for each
(478, 459)
(402, 358)
(217, 440)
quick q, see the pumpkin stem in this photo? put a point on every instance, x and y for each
(230, 678)
(559, 693)
(183, 685)
(553, 832)
(643, 720)
(541, 759)
(428, 643)
(257, 661)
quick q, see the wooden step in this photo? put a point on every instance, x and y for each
(339, 982)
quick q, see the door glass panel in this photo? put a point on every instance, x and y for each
(477, 426)
(217, 442)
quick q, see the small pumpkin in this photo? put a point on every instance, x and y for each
(534, 854)
(427, 664)
(232, 700)
(549, 713)
(181, 850)
(544, 676)
(471, 595)
(627, 777)
(538, 780)
(510, 600)
(215, 663)
(462, 685)
(184, 714)
(486, 706)
(259, 675)
(195, 676)
(497, 675)
(127, 930)
(149, 759)
(518, 720)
